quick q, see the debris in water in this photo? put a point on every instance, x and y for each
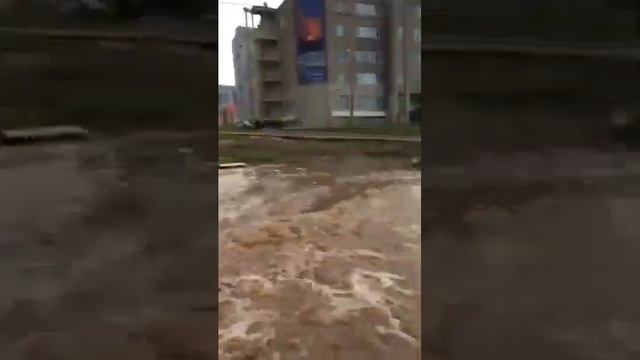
(232, 165)
(185, 150)
(38, 134)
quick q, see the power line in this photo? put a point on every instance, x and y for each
(235, 3)
(239, 3)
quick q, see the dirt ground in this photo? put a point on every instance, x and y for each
(319, 254)
(533, 256)
(107, 250)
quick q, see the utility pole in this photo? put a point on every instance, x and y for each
(352, 81)
(351, 75)
(405, 59)
(393, 60)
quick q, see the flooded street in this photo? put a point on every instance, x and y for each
(317, 265)
(106, 250)
(533, 256)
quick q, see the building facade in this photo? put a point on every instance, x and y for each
(244, 68)
(225, 96)
(350, 71)
(226, 105)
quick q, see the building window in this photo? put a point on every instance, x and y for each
(341, 80)
(419, 11)
(400, 32)
(419, 58)
(367, 32)
(367, 78)
(343, 102)
(343, 56)
(367, 57)
(365, 9)
(339, 30)
(339, 7)
(417, 35)
(369, 103)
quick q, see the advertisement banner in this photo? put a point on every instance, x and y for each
(311, 41)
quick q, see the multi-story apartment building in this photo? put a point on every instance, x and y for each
(330, 62)
(245, 66)
(225, 96)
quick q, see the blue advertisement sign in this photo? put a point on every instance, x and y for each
(311, 41)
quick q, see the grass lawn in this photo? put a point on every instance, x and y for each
(394, 130)
(255, 151)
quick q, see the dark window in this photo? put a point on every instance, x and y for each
(343, 102)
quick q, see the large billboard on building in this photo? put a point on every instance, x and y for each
(311, 41)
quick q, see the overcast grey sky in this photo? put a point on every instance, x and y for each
(230, 16)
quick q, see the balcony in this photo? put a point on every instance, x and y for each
(269, 57)
(272, 95)
(266, 36)
(267, 31)
(272, 77)
(272, 99)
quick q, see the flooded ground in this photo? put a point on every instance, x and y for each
(533, 256)
(320, 259)
(106, 250)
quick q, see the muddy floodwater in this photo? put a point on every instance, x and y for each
(533, 256)
(107, 250)
(319, 264)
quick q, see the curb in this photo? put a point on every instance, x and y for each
(327, 137)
